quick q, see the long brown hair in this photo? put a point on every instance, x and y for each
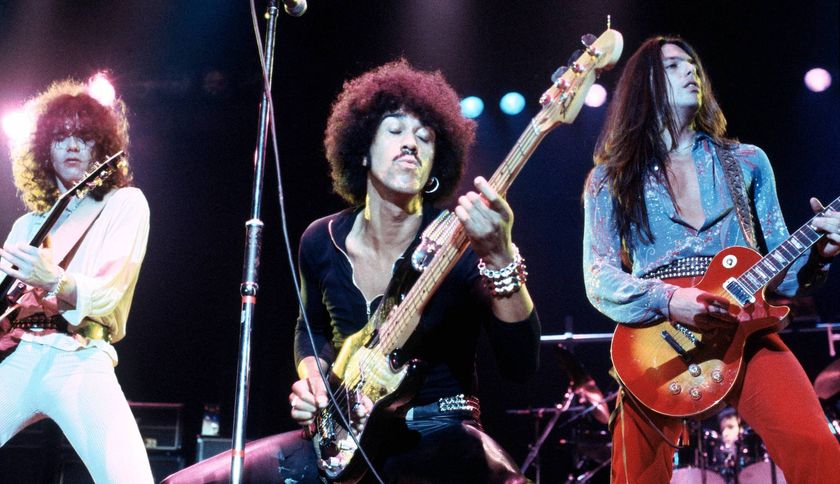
(630, 145)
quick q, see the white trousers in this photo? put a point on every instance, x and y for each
(80, 392)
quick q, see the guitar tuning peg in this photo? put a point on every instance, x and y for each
(588, 39)
(558, 73)
(574, 57)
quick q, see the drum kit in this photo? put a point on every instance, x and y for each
(709, 460)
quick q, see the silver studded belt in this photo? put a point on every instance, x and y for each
(455, 404)
(687, 267)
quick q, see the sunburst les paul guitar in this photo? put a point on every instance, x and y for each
(673, 369)
(371, 363)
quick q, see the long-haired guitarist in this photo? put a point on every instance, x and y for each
(56, 340)
(397, 144)
(660, 202)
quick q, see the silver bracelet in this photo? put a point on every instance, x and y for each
(506, 281)
(59, 284)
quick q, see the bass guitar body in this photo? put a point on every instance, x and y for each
(673, 369)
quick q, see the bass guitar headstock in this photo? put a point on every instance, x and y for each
(562, 102)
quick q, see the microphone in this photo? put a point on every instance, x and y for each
(295, 8)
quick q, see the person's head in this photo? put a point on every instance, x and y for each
(386, 111)
(72, 130)
(662, 89)
(730, 426)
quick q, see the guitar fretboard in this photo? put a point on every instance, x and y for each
(782, 256)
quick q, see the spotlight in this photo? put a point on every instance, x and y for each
(818, 79)
(100, 88)
(596, 96)
(512, 103)
(472, 107)
(17, 125)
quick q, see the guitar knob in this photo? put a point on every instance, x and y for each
(695, 393)
(674, 388)
(717, 376)
(694, 370)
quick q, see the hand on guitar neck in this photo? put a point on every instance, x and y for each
(829, 225)
(700, 310)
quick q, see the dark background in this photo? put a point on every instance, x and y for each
(189, 73)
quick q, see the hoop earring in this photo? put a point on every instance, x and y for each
(432, 185)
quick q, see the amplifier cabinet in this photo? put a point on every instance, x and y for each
(160, 424)
(206, 447)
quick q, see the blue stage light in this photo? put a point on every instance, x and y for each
(472, 107)
(512, 103)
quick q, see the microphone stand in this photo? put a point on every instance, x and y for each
(250, 271)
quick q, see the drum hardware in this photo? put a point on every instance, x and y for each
(696, 462)
(542, 434)
(827, 383)
(586, 476)
(581, 385)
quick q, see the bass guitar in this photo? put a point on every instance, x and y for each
(12, 289)
(371, 363)
(674, 370)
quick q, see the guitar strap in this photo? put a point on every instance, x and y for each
(67, 238)
(738, 191)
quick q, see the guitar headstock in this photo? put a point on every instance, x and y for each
(563, 100)
(95, 176)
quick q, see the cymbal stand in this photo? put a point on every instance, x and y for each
(586, 476)
(542, 435)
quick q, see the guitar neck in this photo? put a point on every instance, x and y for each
(772, 264)
(515, 160)
(37, 240)
(453, 242)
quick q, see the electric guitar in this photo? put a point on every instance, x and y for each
(12, 289)
(673, 369)
(371, 363)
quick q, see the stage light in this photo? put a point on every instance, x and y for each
(818, 79)
(596, 96)
(472, 107)
(512, 103)
(17, 125)
(100, 88)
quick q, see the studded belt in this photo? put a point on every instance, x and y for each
(40, 322)
(687, 267)
(460, 403)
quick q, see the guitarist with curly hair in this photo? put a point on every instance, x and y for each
(79, 283)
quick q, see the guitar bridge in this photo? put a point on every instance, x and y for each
(675, 345)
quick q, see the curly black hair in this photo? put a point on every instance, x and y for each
(365, 100)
